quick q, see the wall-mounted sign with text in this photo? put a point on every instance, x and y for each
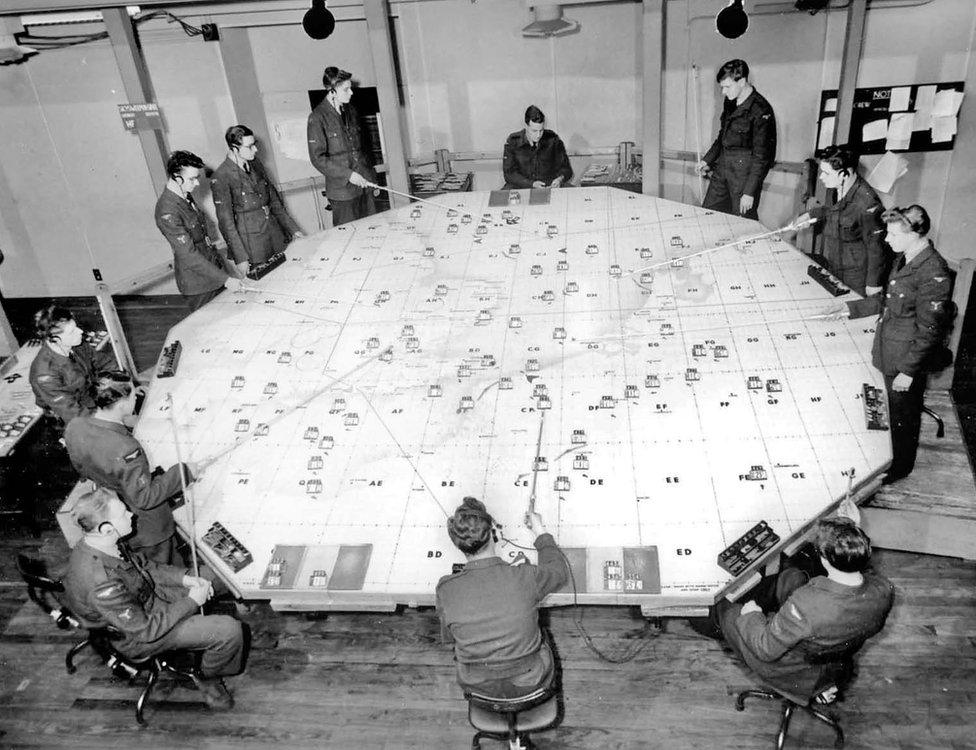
(141, 116)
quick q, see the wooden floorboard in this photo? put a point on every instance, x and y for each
(385, 681)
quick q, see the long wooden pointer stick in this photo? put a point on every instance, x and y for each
(187, 495)
(793, 226)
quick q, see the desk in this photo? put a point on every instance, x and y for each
(18, 410)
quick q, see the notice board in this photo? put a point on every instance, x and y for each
(910, 117)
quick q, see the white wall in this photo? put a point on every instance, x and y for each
(82, 196)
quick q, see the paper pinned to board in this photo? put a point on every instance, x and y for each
(876, 130)
(886, 172)
(827, 125)
(944, 128)
(924, 98)
(898, 102)
(947, 103)
(899, 131)
(291, 137)
(831, 104)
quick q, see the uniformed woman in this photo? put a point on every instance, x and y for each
(915, 311)
(250, 214)
(103, 450)
(853, 232)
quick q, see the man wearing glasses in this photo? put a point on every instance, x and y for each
(250, 214)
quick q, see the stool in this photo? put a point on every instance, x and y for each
(43, 589)
(788, 707)
(513, 718)
(127, 668)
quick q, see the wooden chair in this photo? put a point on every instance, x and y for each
(45, 590)
(512, 719)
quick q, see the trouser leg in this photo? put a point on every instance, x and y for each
(905, 415)
(219, 637)
(717, 196)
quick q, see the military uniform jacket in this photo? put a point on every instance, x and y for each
(853, 235)
(198, 267)
(914, 314)
(250, 214)
(523, 163)
(490, 609)
(821, 618)
(335, 150)
(60, 384)
(143, 599)
(747, 127)
(106, 453)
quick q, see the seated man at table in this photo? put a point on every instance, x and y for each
(535, 157)
(490, 610)
(155, 607)
(66, 366)
(800, 648)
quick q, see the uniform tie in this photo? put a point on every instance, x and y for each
(247, 167)
(900, 262)
(189, 199)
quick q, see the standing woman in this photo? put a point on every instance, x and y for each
(103, 450)
(853, 231)
(250, 214)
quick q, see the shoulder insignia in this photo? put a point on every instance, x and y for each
(129, 457)
(794, 612)
(166, 217)
(58, 398)
(936, 304)
(939, 279)
(766, 117)
(108, 591)
(126, 614)
(45, 378)
(873, 209)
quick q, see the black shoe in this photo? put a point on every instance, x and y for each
(215, 693)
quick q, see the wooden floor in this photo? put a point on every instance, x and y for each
(385, 681)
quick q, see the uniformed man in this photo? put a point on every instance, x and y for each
(335, 150)
(200, 271)
(853, 232)
(916, 312)
(103, 450)
(490, 610)
(250, 214)
(66, 366)
(745, 149)
(535, 157)
(153, 606)
(802, 647)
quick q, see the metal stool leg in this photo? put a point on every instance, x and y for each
(150, 683)
(940, 429)
(831, 722)
(740, 699)
(784, 724)
(69, 659)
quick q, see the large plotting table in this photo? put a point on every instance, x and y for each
(396, 364)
